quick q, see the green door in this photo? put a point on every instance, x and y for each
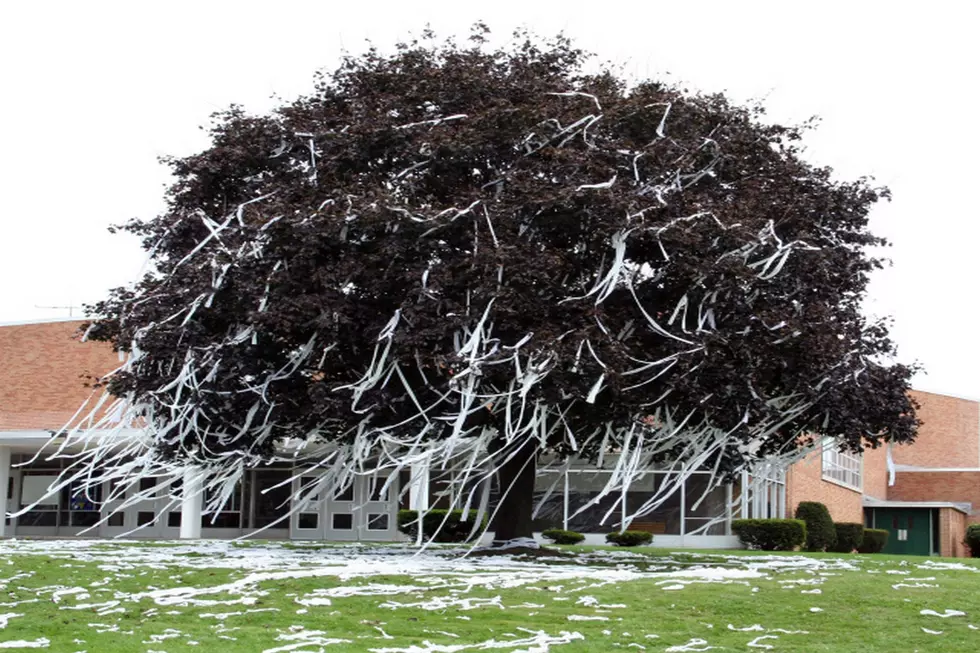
(909, 530)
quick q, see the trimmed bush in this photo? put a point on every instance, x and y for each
(972, 540)
(559, 536)
(849, 536)
(873, 541)
(770, 534)
(629, 538)
(453, 530)
(820, 532)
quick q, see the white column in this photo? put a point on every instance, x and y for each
(4, 483)
(192, 504)
(743, 495)
(418, 489)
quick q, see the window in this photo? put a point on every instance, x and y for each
(308, 521)
(377, 522)
(229, 515)
(343, 521)
(841, 467)
(346, 494)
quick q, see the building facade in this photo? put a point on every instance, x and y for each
(925, 493)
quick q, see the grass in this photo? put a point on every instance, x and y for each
(378, 599)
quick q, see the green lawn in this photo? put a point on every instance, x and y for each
(218, 596)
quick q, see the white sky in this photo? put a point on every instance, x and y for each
(93, 92)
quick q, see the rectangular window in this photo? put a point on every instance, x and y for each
(841, 467)
(308, 486)
(308, 521)
(144, 517)
(346, 494)
(377, 522)
(35, 486)
(230, 515)
(378, 490)
(343, 521)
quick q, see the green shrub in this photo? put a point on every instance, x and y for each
(629, 538)
(873, 541)
(433, 528)
(770, 534)
(973, 539)
(820, 532)
(849, 536)
(559, 536)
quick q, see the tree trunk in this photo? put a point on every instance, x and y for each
(516, 486)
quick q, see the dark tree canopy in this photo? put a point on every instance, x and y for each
(456, 243)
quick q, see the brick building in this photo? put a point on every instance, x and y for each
(924, 493)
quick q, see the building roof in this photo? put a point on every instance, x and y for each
(46, 373)
(963, 506)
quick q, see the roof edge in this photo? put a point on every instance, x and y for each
(50, 320)
(965, 507)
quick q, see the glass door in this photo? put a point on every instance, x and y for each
(308, 518)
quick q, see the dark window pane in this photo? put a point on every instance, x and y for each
(347, 494)
(271, 498)
(343, 521)
(173, 520)
(378, 490)
(222, 520)
(308, 488)
(117, 519)
(377, 522)
(147, 483)
(583, 487)
(38, 518)
(308, 520)
(144, 517)
(85, 518)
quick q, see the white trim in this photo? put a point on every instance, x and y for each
(914, 469)
(879, 503)
(846, 486)
(830, 448)
(47, 320)
(4, 483)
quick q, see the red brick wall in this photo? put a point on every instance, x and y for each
(804, 482)
(952, 529)
(41, 369)
(874, 473)
(938, 486)
(949, 435)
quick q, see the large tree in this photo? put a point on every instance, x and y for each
(476, 256)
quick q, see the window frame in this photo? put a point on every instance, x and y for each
(842, 468)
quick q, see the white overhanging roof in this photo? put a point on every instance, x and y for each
(964, 507)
